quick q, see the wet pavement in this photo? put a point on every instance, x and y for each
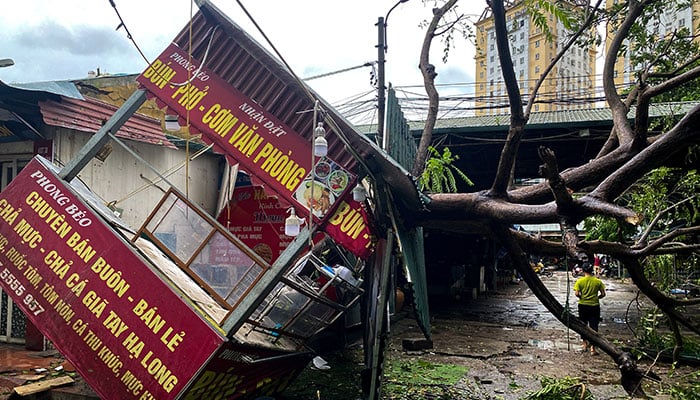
(509, 341)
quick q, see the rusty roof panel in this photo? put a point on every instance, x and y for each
(89, 115)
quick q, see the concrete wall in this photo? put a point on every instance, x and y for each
(127, 183)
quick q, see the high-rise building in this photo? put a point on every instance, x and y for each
(669, 21)
(570, 85)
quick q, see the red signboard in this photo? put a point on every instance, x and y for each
(244, 131)
(247, 372)
(250, 135)
(257, 220)
(348, 227)
(128, 333)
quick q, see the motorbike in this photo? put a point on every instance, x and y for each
(577, 268)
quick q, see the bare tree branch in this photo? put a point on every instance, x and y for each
(617, 106)
(517, 117)
(653, 156)
(428, 71)
(643, 238)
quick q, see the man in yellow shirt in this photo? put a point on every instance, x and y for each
(589, 291)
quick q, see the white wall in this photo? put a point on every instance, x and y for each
(123, 179)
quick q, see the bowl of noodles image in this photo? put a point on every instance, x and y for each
(320, 201)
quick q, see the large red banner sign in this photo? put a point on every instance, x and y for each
(127, 333)
(243, 130)
(250, 135)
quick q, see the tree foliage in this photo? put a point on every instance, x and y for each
(439, 173)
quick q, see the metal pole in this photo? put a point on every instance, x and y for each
(382, 135)
(381, 100)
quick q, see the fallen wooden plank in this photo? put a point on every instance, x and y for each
(43, 385)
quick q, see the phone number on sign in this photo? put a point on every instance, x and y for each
(14, 285)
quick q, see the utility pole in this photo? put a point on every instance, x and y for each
(381, 88)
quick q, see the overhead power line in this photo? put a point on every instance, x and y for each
(367, 64)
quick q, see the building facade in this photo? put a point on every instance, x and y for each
(669, 21)
(569, 85)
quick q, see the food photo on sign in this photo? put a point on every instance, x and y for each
(318, 194)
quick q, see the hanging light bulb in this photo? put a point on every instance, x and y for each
(320, 146)
(320, 142)
(359, 193)
(172, 123)
(292, 225)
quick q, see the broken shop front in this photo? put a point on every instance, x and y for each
(179, 306)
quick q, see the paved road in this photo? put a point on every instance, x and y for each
(508, 340)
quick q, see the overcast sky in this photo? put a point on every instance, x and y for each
(59, 40)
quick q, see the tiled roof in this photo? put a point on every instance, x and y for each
(89, 115)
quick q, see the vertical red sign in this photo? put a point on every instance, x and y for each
(126, 331)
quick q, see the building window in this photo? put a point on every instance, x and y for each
(537, 43)
(537, 56)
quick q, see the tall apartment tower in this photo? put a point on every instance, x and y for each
(569, 85)
(668, 22)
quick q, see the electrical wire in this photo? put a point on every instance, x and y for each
(329, 121)
(129, 36)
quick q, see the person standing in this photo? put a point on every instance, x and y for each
(589, 290)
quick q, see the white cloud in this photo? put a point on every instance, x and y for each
(56, 40)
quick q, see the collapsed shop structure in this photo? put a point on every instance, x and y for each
(182, 305)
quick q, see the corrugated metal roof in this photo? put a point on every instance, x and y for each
(570, 118)
(244, 64)
(62, 88)
(89, 115)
